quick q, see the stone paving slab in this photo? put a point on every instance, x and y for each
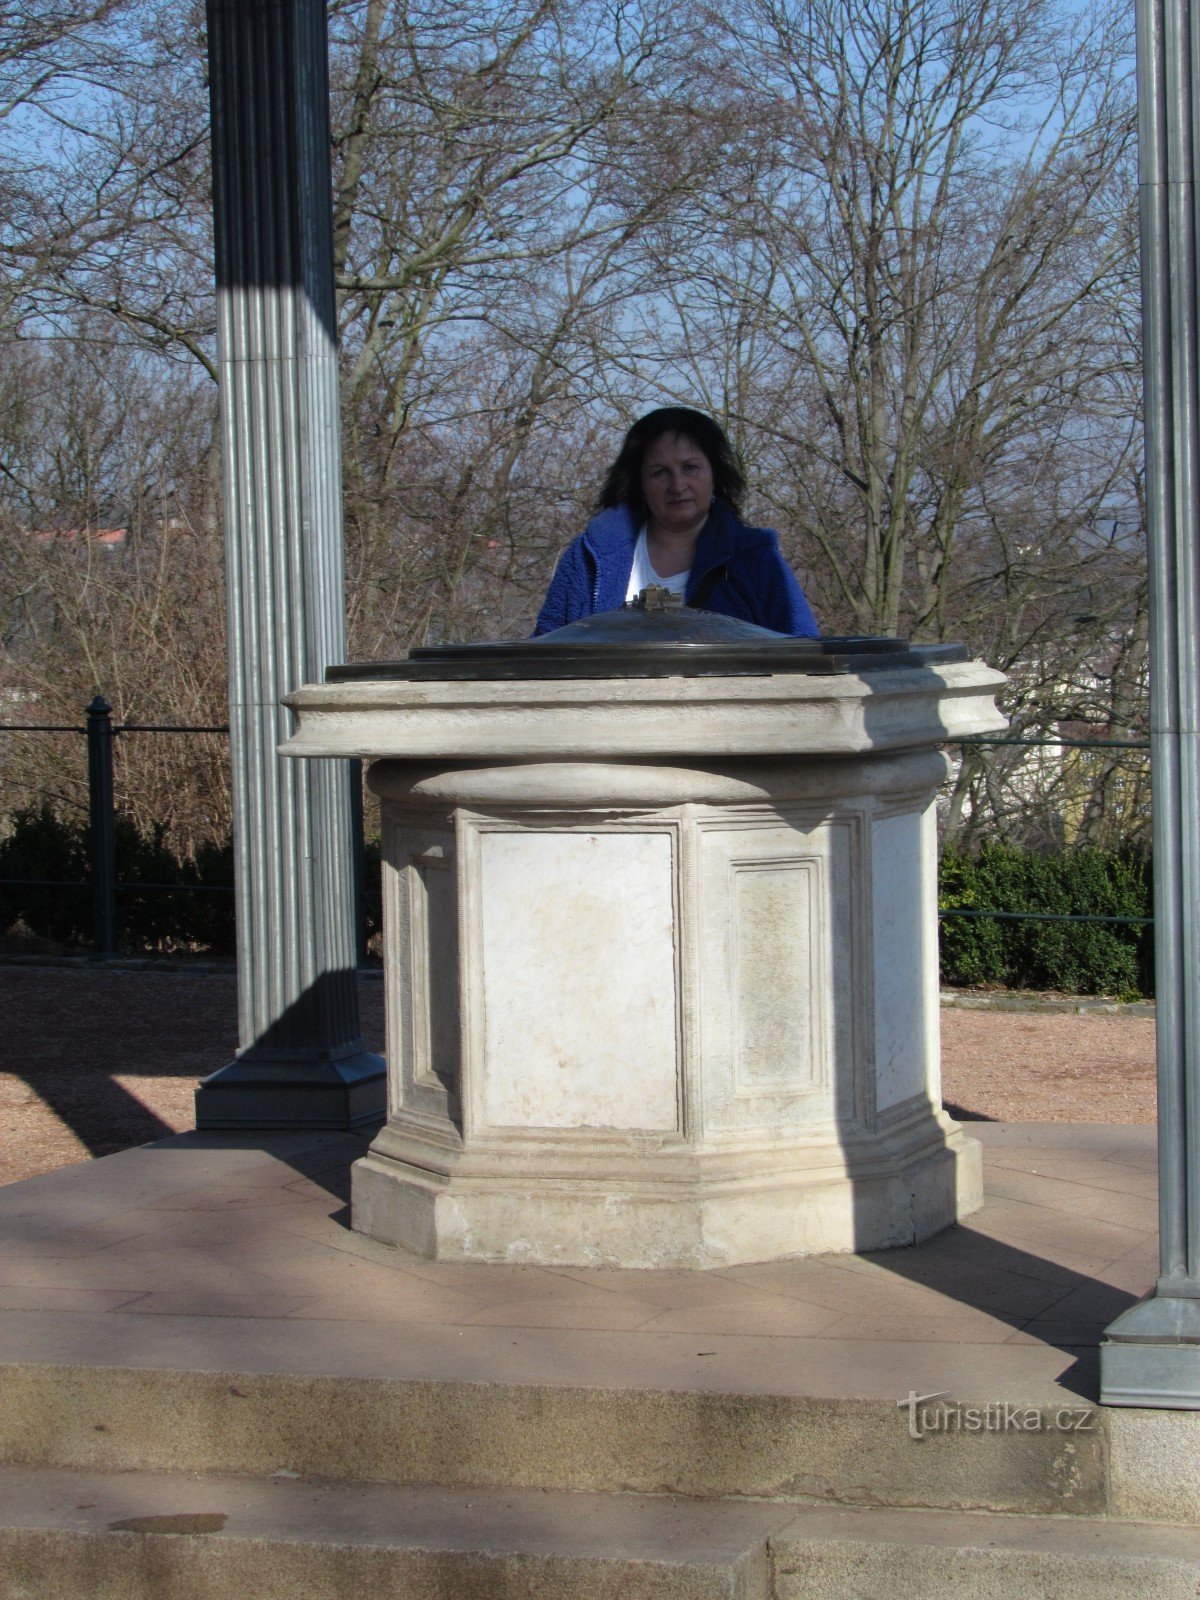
(200, 1296)
(236, 1252)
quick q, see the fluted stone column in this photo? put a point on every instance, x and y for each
(1151, 1354)
(300, 1061)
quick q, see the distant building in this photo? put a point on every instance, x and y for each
(106, 538)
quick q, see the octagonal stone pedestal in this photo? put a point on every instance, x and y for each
(661, 963)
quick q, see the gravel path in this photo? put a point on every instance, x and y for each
(94, 1061)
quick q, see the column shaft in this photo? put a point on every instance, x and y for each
(300, 1061)
(1151, 1354)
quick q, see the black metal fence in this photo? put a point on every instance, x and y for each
(106, 887)
(103, 880)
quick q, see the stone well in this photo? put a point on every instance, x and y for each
(661, 942)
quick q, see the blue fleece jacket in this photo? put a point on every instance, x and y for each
(750, 579)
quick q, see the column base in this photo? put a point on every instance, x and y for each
(1150, 1356)
(260, 1090)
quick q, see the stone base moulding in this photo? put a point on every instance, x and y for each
(694, 1221)
(656, 1007)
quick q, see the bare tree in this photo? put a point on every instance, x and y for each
(923, 207)
(493, 181)
(888, 242)
(111, 583)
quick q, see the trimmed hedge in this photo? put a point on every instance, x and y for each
(199, 922)
(1075, 957)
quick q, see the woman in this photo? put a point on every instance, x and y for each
(668, 515)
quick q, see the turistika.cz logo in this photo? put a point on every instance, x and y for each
(934, 1413)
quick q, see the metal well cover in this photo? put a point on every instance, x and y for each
(645, 642)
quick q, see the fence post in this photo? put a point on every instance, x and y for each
(103, 840)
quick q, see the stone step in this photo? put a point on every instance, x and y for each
(142, 1536)
(856, 1554)
(1057, 1459)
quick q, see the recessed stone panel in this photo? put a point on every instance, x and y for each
(775, 979)
(421, 978)
(578, 980)
(776, 960)
(904, 901)
(433, 933)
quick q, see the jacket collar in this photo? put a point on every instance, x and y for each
(612, 534)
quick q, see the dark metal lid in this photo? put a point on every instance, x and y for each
(650, 642)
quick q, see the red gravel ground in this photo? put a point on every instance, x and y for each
(93, 1061)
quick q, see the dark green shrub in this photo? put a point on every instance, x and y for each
(372, 906)
(195, 917)
(1075, 957)
(42, 847)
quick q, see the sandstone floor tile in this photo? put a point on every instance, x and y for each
(1135, 1271)
(1091, 1301)
(193, 1273)
(851, 1296)
(203, 1303)
(1000, 1293)
(857, 1277)
(15, 1297)
(52, 1242)
(613, 1313)
(976, 1252)
(444, 1307)
(891, 1287)
(334, 1156)
(335, 1269)
(337, 1236)
(799, 1279)
(1061, 1335)
(1055, 1237)
(300, 1188)
(327, 1225)
(1095, 1138)
(1142, 1160)
(818, 1365)
(1082, 1200)
(949, 1328)
(666, 1289)
(311, 1276)
(186, 1227)
(873, 1266)
(231, 1197)
(1119, 1177)
(495, 1280)
(751, 1319)
(341, 1269)
(56, 1273)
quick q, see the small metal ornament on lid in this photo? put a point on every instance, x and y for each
(655, 597)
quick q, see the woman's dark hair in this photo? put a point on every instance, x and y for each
(623, 485)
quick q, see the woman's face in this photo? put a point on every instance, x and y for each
(677, 484)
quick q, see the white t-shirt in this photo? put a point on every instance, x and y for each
(642, 573)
